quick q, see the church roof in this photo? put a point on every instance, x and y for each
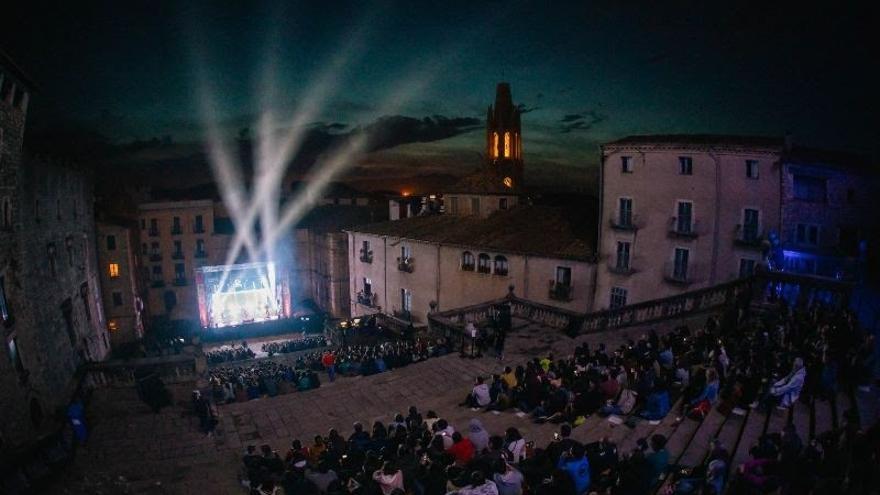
(546, 231)
(482, 182)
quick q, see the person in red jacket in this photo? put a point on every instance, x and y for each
(329, 362)
(462, 449)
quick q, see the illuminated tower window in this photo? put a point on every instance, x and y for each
(495, 145)
(114, 270)
(506, 145)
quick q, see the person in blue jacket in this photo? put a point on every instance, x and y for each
(657, 404)
(577, 466)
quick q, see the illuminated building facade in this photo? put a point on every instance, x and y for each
(50, 298)
(683, 212)
(123, 291)
(504, 150)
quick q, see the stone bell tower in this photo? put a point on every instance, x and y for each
(504, 139)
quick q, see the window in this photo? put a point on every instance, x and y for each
(626, 164)
(810, 188)
(117, 298)
(475, 206)
(178, 248)
(143, 224)
(114, 270)
(623, 249)
(50, 251)
(746, 267)
(154, 226)
(685, 165)
(467, 261)
(368, 286)
(157, 273)
(752, 169)
(7, 214)
(807, 234)
(494, 145)
(618, 297)
(67, 314)
(112, 326)
(4, 305)
(200, 247)
(199, 226)
(563, 275)
(15, 354)
(111, 243)
(483, 261)
(684, 218)
(179, 271)
(680, 264)
(750, 225)
(406, 300)
(502, 203)
(500, 265)
(453, 205)
(506, 145)
(175, 225)
(405, 252)
(624, 212)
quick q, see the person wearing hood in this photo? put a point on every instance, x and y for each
(788, 389)
(478, 435)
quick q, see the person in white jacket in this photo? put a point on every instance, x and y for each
(389, 478)
(788, 389)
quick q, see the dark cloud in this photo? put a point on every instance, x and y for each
(524, 109)
(394, 130)
(582, 121)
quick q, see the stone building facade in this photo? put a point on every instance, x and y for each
(119, 262)
(50, 305)
(827, 221)
(176, 238)
(683, 212)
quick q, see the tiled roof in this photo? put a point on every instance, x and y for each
(537, 230)
(700, 140)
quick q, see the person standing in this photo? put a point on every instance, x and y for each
(500, 337)
(471, 332)
(329, 362)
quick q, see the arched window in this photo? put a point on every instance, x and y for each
(467, 261)
(494, 145)
(500, 265)
(506, 145)
(483, 263)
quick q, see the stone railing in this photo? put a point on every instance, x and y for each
(177, 368)
(451, 323)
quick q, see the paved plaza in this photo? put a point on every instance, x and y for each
(132, 450)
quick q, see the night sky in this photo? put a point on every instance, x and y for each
(583, 74)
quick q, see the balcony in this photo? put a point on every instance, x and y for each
(180, 281)
(403, 314)
(201, 254)
(366, 256)
(157, 283)
(176, 231)
(749, 237)
(178, 255)
(624, 223)
(153, 232)
(682, 276)
(484, 269)
(406, 264)
(155, 257)
(468, 267)
(683, 228)
(367, 299)
(560, 291)
(619, 269)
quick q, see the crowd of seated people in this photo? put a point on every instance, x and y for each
(231, 353)
(739, 360)
(288, 346)
(270, 378)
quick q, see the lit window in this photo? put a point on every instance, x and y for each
(506, 145)
(508, 182)
(114, 270)
(494, 145)
(112, 326)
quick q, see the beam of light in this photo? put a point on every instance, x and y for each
(273, 156)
